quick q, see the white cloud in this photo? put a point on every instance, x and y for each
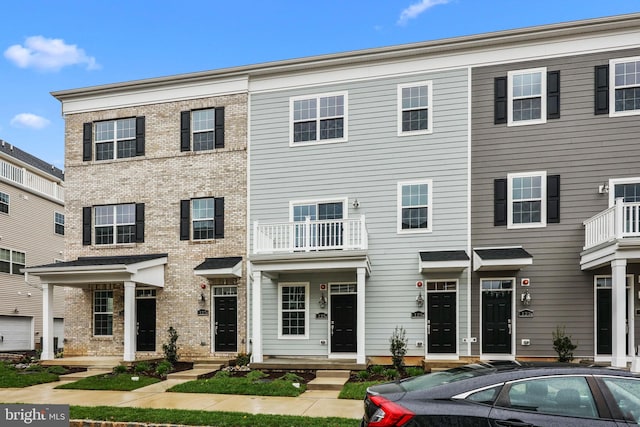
(48, 54)
(30, 121)
(418, 8)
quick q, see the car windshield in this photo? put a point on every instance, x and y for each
(445, 377)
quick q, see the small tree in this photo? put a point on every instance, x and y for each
(171, 349)
(398, 347)
(562, 345)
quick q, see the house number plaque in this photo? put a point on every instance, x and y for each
(203, 312)
(525, 313)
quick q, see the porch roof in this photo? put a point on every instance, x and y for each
(501, 258)
(223, 267)
(443, 261)
(147, 269)
(311, 262)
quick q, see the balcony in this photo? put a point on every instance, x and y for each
(31, 181)
(309, 236)
(618, 222)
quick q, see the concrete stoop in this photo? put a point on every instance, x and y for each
(329, 380)
(199, 370)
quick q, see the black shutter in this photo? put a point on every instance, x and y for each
(601, 89)
(139, 222)
(500, 201)
(553, 95)
(185, 131)
(87, 141)
(140, 136)
(553, 199)
(500, 105)
(219, 133)
(219, 217)
(86, 225)
(185, 217)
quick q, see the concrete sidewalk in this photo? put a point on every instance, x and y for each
(311, 403)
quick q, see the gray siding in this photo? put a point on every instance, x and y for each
(368, 167)
(585, 150)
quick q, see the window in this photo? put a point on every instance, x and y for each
(11, 261)
(4, 202)
(414, 112)
(115, 224)
(58, 223)
(625, 81)
(625, 392)
(293, 313)
(326, 229)
(202, 219)
(527, 205)
(414, 206)
(626, 188)
(319, 118)
(116, 138)
(202, 129)
(103, 312)
(527, 103)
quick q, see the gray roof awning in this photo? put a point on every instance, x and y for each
(506, 258)
(443, 261)
(225, 267)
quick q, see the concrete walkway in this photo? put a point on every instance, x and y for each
(314, 403)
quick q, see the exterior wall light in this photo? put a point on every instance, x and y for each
(323, 301)
(525, 298)
(419, 300)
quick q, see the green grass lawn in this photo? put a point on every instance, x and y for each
(243, 386)
(203, 418)
(356, 391)
(11, 377)
(122, 382)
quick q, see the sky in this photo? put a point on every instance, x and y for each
(51, 45)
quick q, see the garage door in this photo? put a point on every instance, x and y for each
(16, 333)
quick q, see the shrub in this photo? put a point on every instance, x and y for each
(243, 359)
(141, 367)
(377, 369)
(292, 378)
(120, 369)
(171, 349)
(363, 375)
(398, 347)
(34, 368)
(562, 345)
(222, 374)
(254, 376)
(391, 374)
(163, 368)
(414, 371)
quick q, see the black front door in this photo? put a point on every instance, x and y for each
(604, 314)
(343, 323)
(496, 322)
(441, 322)
(226, 324)
(146, 324)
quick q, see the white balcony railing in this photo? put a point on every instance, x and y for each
(619, 221)
(31, 181)
(309, 235)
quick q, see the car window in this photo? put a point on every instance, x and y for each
(553, 395)
(626, 393)
(487, 396)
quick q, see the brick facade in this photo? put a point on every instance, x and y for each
(160, 179)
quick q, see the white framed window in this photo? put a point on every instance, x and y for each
(415, 206)
(318, 118)
(58, 223)
(326, 227)
(527, 97)
(115, 224)
(293, 310)
(103, 312)
(527, 200)
(203, 218)
(115, 139)
(12, 261)
(626, 188)
(203, 129)
(4, 202)
(624, 81)
(415, 112)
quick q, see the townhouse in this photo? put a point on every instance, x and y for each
(32, 229)
(478, 191)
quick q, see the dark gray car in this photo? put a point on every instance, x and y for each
(508, 394)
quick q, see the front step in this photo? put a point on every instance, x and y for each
(329, 380)
(199, 370)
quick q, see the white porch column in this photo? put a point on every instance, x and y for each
(129, 322)
(256, 317)
(48, 352)
(618, 313)
(361, 354)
